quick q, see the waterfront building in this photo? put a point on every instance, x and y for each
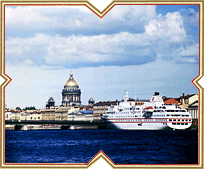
(15, 116)
(63, 112)
(12, 115)
(30, 115)
(190, 102)
(71, 111)
(186, 99)
(193, 108)
(81, 115)
(48, 114)
(8, 115)
(71, 94)
(193, 98)
(50, 103)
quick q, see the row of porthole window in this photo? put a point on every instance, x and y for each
(176, 115)
(160, 119)
(158, 116)
(180, 120)
(145, 120)
(175, 110)
(179, 123)
(125, 116)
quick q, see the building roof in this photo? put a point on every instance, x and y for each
(186, 96)
(171, 101)
(71, 82)
(47, 110)
(107, 103)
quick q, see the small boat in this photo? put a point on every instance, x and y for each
(72, 128)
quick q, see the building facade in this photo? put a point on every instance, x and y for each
(61, 113)
(12, 115)
(81, 116)
(71, 94)
(30, 115)
(48, 114)
(193, 107)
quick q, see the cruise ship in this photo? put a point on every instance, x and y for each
(153, 115)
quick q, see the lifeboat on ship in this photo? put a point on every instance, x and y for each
(149, 108)
(148, 111)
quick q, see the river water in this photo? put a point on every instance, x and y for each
(121, 146)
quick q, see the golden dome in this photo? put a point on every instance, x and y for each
(71, 82)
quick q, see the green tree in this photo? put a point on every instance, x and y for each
(18, 108)
(30, 108)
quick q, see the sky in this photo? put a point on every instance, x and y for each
(134, 48)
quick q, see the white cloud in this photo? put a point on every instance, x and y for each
(69, 18)
(28, 62)
(187, 54)
(169, 27)
(190, 16)
(190, 50)
(24, 16)
(135, 13)
(137, 34)
(100, 49)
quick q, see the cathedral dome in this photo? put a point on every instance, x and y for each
(71, 82)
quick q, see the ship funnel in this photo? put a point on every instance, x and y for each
(157, 100)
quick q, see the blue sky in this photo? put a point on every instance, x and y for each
(134, 48)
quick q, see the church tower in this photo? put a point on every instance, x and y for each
(71, 94)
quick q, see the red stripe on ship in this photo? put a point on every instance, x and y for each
(149, 122)
(150, 118)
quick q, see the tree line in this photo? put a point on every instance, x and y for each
(26, 108)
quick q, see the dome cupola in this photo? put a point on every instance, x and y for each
(71, 82)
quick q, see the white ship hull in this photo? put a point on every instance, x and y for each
(144, 126)
(137, 126)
